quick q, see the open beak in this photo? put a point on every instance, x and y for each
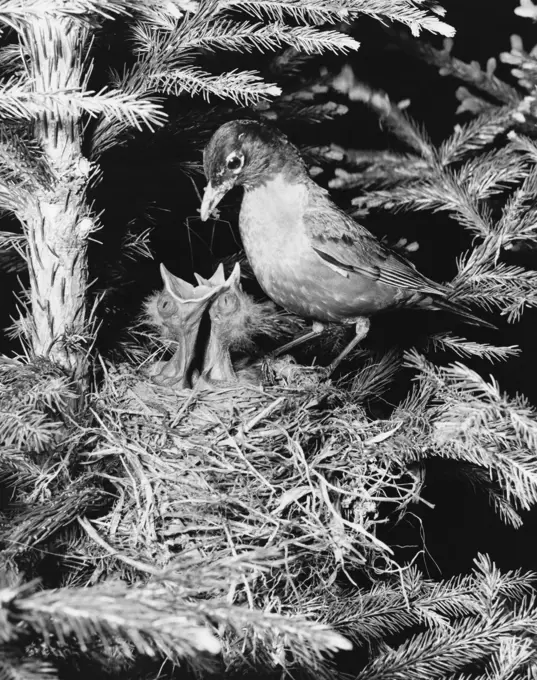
(211, 198)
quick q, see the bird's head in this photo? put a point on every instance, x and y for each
(245, 153)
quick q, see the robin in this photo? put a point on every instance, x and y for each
(308, 255)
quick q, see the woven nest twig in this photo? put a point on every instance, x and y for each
(226, 471)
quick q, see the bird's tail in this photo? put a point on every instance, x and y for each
(461, 310)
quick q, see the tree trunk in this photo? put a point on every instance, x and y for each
(59, 225)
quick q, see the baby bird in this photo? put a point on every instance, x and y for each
(177, 312)
(217, 365)
(308, 255)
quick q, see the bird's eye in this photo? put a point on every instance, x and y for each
(166, 305)
(234, 162)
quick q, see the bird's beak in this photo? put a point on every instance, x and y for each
(211, 198)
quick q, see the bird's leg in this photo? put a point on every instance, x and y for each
(362, 329)
(316, 330)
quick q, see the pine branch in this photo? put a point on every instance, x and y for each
(312, 477)
(525, 145)
(311, 11)
(31, 398)
(307, 641)
(129, 109)
(473, 421)
(380, 170)
(125, 107)
(513, 656)
(492, 173)
(243, 87)
(480, 636)
(26, 429)
(114, 615)
(461, 193)
(318, 12)
(10, 59)
(410, 601)
(475, 135)
(156, 620)
(441, 192)
(494, 584)
(15, 100)
(17, 199)
(481, 481)
(39, 383)
(298, 111)
(485, 82)
(467, 348)
(458, 192)
(109, 132)
(389, 609)
(523, 64)
(437, 653)
(391, 115)
(17, 13)
(375, 376)
(407, 13)
(18, 472)
(481, 281)
(39, 523)
(136, 244)
(225, 34)
(518, 223)
(22, 160)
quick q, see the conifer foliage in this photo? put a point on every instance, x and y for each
(150, 532)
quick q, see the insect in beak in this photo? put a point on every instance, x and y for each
(212, 197)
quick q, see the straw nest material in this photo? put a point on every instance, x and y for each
(294, 466)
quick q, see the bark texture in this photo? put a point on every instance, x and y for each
(59, 223)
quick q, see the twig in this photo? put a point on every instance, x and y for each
(94, 535)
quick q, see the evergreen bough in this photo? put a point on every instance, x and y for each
(241, 530)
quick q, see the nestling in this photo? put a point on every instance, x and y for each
(308, 255)
(203, 352)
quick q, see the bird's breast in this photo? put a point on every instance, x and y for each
(290, 272)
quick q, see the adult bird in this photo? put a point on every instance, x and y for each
(308, 255)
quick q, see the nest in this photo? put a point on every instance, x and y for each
(243, 468)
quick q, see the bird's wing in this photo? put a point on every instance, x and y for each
(345, 244)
